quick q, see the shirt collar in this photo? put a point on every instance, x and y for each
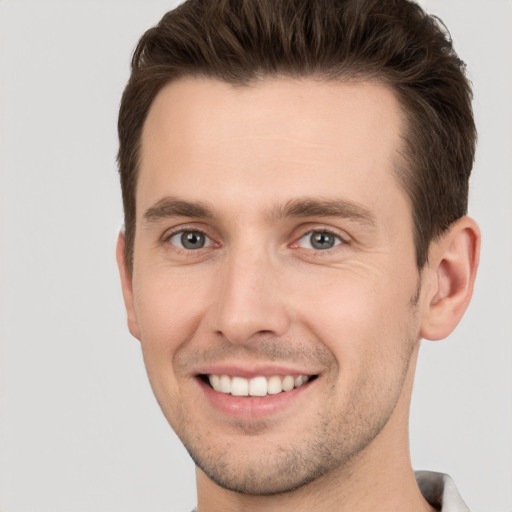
(440, 491)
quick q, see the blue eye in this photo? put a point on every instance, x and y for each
(319, 240)
(190, 240)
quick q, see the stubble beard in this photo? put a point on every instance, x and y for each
(328, 449)
(280, 469)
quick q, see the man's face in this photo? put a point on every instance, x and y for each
(274, 246)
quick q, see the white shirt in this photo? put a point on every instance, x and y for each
(440, 491)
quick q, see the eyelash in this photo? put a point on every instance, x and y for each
(166, 239)
(321, 231)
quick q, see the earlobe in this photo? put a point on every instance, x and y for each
(453, 262)
(127, 286)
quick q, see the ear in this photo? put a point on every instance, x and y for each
(127, 286)
(450, 278)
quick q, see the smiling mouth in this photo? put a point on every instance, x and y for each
(257, 386)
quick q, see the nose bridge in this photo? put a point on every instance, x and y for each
(249, 301)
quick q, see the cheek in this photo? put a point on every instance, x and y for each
(168, 310)
(168, 313)
(345, 297)
(362, 317)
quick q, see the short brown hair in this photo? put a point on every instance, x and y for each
(391, 41)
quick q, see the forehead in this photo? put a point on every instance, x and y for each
(278, 139)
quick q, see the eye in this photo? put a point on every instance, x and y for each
(190, 240)
(319, 240)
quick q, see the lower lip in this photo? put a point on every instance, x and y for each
(253, 407)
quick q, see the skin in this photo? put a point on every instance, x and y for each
(259, 296)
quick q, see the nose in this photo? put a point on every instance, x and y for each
(250, 298)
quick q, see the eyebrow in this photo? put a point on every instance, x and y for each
(172, 207)
(314, 207)
(169, 207)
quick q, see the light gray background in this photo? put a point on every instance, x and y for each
(79, 428)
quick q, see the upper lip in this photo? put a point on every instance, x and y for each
(249, 371)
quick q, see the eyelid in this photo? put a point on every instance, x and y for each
(168, 234)
(208, 241)
(342, 236)
(307, 237)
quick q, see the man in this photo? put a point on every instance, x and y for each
(294, 179)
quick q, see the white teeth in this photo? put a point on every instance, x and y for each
(224, 384)
(215, 382)
(239, 386)
(288, 383)
(274, 385)
(257, 386)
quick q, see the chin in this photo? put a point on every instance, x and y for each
(262, 478)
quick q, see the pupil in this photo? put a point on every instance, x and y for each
(192, 240)
(322, 240)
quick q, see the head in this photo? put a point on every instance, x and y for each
(294, 180)
(390, 42)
